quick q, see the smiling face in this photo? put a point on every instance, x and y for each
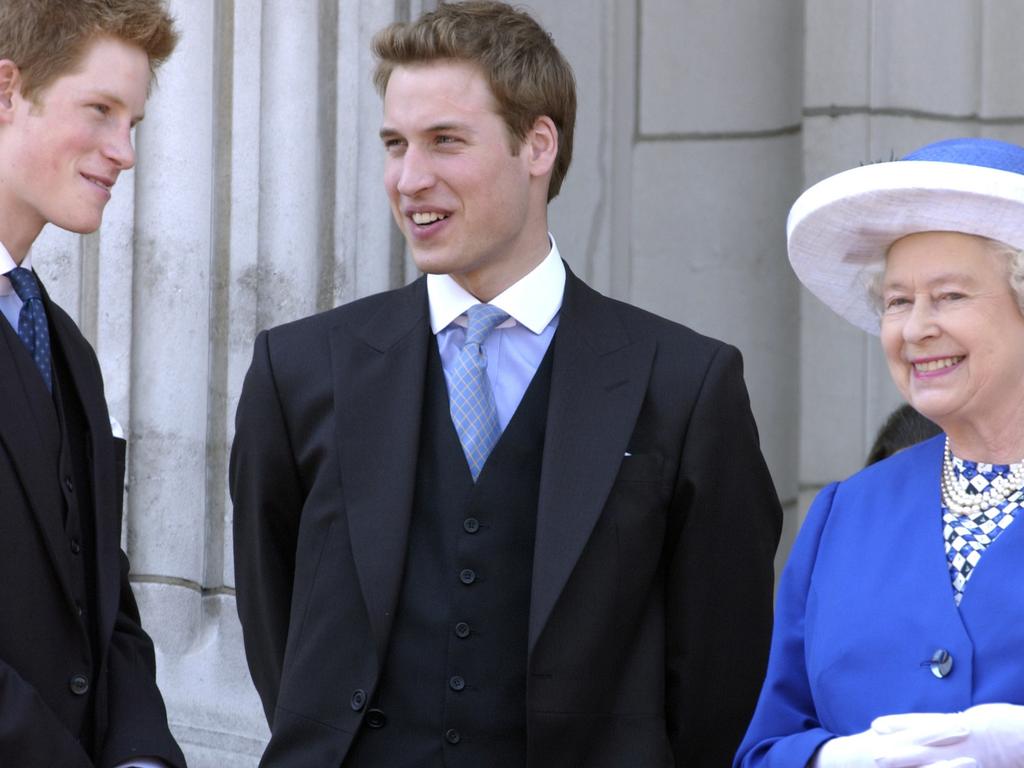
(467, 204)
(953, 334)
(60, 155)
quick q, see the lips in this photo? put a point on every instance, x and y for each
(103, 182)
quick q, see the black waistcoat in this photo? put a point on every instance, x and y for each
(453, 689)
(64, 435)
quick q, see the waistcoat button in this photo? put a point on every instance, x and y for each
(79, 685)
(462, 630)
(452, 736)
(468, 576)
(375, 718)
(471, 525)
(456, 683)
(358, 699)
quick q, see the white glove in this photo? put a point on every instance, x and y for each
(872, 748)
(992, 735)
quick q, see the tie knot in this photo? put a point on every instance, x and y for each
(25, 284)
(483, 318)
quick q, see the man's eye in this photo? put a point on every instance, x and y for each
(952, 296)
(103, 109)
(446, 140)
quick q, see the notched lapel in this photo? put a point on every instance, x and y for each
(598, 383)
(378, 369)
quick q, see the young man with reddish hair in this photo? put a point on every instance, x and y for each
(494, 518)
(77, 671)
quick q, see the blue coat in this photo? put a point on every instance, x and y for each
(866, 600)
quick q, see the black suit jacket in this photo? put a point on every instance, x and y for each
(41, 632)
(657, 525)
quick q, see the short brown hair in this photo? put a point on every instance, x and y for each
(47, 38)
(527, 74)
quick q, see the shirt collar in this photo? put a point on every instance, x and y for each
(6, 265)
(532, 301)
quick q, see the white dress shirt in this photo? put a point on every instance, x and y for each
(517, 347)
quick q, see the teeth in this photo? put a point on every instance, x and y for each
(427, 218)
(935, 365)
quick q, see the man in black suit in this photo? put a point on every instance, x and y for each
(494, 518)
(77, 677)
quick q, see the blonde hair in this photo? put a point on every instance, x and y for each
(46, 39)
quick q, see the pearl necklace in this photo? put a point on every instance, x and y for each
(959, 501)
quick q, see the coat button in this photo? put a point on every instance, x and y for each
(462, 630)
(375, 718)
(452, 736)
(79, 685)
(941, 663)
(468, 576)
(358, 699)
(76, 546)
(456, 683)
(471, 525)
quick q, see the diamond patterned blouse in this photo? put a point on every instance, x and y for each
(968, 536)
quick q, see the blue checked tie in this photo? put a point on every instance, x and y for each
(471, 399)
(32, 320)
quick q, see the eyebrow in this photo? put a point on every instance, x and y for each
(387, 132)
(963, 278)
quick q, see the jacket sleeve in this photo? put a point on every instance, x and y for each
(267, 498)
(721, 572)
(785, 731)
(137, 724)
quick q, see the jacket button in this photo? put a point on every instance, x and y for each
(79, 685)
(375, 718)
(471, 525)
(941, 663)
(452, 736)
(456, 683)
(358, 699)
(76, 546)
(468, 576)
(69, 484)
(462, 630)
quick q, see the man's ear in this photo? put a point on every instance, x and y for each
(542, 146)
(10, 86)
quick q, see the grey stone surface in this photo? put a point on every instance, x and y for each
(709, 251)
(837, 53)
(719, 65)
(925, 55)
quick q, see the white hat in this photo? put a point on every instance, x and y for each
(840, 230)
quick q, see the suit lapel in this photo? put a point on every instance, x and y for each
(20, 418)
(87, 385)
(379, 369)
(598, 382)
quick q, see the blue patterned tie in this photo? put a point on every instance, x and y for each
(471, 399)
(32, 320)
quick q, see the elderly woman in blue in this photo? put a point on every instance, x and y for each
(899, 627)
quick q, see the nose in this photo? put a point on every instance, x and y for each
(119, 148)
(920, 323)
(415, 174)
